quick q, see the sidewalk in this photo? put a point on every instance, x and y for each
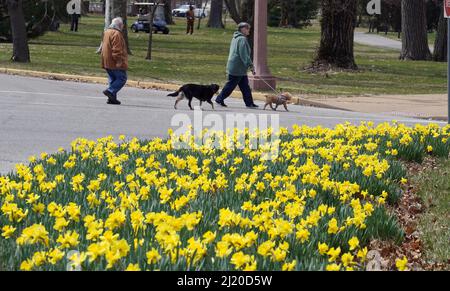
(379, 40)
(419, 106)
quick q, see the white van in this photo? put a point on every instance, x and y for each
(183, 9)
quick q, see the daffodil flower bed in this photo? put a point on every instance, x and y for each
(143, 205)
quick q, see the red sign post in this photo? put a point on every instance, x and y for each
(447, 15)
(447, 8)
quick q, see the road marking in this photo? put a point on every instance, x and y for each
(49, 94)
(371, 118)
(64, 95)
(301, 117)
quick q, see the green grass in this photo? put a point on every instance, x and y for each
(434, 224)
(202, 59)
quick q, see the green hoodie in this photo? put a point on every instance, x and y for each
(239, 61)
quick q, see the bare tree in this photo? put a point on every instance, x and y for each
(288, 13)
(168, 11)
(215, 16)
(152, 10)
(233, 7)
(109, 7)
(119, 9)
(242, 11)
(21, 52)
(202, 13)
(440, 44)
(337, 34)
(414, 28)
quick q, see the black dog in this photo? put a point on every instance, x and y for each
(191, 91)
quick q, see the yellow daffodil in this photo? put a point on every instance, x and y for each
(401, 264)
(8, 231)
(332, 226)
(289, 266)
(333, 254)
(323, 248)
(333, 267)
(353, 243)
(153, 256)
(133, 268)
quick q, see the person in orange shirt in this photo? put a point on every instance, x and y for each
(190, 16)
(115, 60)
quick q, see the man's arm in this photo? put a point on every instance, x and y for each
(117, 47)
(245, 54)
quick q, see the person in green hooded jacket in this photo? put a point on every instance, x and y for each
(239, 63)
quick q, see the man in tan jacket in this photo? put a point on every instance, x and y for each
(190, 17)
(115, 59)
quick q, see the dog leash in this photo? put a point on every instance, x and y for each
(270, 86)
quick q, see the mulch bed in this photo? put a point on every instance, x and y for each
(408, 211)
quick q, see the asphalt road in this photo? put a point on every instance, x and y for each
(379, 40)
(39, 115)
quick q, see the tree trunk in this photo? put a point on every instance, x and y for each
(150, 37)
(215, 16)
(288, 13)
(440, 44)
(247, 12)
(21, 52)
(168, 11)
(120, 10)
(108, 6)
(338, 26)
(203, 8)
(232, 8)
(414, 27)
(108, 12)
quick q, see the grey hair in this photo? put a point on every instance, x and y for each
(116, 23)
(242, 25)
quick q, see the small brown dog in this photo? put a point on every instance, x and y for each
(282, 99)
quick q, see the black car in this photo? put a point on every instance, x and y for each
(143, 24)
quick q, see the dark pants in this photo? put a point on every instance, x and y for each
(117, 80)
(74, 24)
(233, 82)
(190, 26)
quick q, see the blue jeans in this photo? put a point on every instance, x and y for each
(117, 80)
(233, 82)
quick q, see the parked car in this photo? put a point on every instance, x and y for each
(143, 24)
(182, 10)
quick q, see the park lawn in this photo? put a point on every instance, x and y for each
(434, 223)
(201, 58)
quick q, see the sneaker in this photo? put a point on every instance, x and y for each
(253, 106)
(108, 94)
(113, 102)
(221, 103)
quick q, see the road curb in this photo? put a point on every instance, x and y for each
(260, 96)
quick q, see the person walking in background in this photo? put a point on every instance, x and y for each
(115, 59)
(74, 23)
(239, 63)
(190, 17)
